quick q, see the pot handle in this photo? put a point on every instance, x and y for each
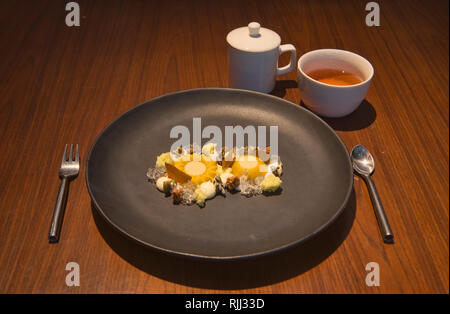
(288, 68)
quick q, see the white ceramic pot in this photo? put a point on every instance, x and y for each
(253, 53)
(331, 100)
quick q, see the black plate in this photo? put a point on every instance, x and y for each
(317, 177)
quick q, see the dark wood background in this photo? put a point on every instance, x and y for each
(63, 85)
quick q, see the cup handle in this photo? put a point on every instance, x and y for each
(288, 68)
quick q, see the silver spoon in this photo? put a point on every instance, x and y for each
(364, 165)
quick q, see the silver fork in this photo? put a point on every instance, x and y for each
(70, 166)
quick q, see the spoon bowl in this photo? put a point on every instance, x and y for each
(362, 160)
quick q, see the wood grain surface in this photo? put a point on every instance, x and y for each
(62, 84)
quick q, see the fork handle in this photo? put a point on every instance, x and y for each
(58, 214)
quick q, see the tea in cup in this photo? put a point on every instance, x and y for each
(333, 82)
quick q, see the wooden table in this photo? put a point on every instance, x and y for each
(61, 84)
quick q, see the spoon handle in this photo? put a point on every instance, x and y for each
(386, 232)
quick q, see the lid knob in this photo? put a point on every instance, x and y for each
(253, 29)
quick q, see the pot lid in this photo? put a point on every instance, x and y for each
(253, 38)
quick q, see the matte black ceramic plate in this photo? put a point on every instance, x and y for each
(317, 177)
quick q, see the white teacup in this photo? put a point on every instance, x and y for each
(253, 53)
(332, 100)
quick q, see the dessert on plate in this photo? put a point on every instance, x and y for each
(192, 175)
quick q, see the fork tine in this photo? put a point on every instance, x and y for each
(64, 156)
(77, 156)
(71, 152)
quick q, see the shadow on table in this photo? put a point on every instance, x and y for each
(231, 275)
(359, 119)
(281, 87)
